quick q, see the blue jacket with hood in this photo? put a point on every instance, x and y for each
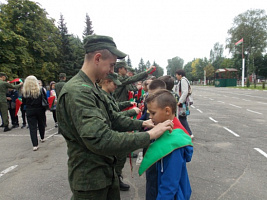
(173, 180)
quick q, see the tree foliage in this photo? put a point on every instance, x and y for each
(88, 30)
(209, 71)
(159, 70)
(173, 65)
(252, 27)
(32, 38)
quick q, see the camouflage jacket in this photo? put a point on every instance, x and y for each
(59, 86)
(119, 106)
(88, 124)
(121, 93)
(3, 89)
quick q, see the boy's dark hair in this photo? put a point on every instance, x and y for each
(163, 98)
(180, 72)
(157, 84)
(169, 81)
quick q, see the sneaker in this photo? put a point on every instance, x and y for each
(42, 140)
(23, 126)
(7, 129)
(35, 148)
(56, 125)
(192, 136)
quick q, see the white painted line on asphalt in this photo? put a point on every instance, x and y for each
(211, 99)
(254, 112)
(261, 152)
(220, 101)
(199, 111)
(246, 100)
(14, 135)
(231, 132)
(51, 135)
(213, 119)
(261, 103)
(139, 158)
(193, 106)
(8, 170)
(234, 105)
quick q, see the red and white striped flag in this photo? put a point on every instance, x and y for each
(239, 42)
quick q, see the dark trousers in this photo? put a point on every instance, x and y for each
(14, 119)
(183, 120)
(151, 183)
(54, 115)
(111, 192)
(23, 114)
(36, 116)
(4, 113)
(121, 160)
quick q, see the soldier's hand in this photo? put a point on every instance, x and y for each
(21, 83)
(137, 110)
(160, 128)
(133, 103)
(151, 68)
(148, 124)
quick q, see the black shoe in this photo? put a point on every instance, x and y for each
(133, 155)
(23, 126)
(123, 186)
(15, 126)
(7, 129)
(2, 125)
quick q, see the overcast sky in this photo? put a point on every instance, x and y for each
(153, 29)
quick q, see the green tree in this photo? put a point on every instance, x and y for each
(209, 71)
(159, 70)
(216, 55)
(33, 39)
(188, 71)
(173, 65)
(252, 27)
(88, 30)
(129, 62)
(148, 64)
(67, 58)
(141, 66)
(78, 54)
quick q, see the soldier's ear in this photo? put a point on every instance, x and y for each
(97, 58)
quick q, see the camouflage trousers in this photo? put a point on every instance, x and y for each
(4, 113)
(111, 192)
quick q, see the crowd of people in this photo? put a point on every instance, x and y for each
(27, 97)
(104, 116)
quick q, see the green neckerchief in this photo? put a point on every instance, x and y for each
(163, 146)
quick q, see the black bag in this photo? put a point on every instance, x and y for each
(45, 103)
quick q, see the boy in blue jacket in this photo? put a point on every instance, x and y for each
(170, 152)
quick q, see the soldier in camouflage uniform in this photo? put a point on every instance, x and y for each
(121, 93)
(90, 126)
(60, 84)
(108, 86)
(3, 101)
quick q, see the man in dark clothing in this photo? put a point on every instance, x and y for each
(3, 101)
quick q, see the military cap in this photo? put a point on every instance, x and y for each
(62, 75)
(3, 74)
(114, 78)
(131, 69)
(93, 43)
(121, 64)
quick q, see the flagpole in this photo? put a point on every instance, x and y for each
(243, 65)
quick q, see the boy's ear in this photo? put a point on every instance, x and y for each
(168, 110)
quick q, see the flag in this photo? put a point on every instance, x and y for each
(166, 144)
(51, 101)
(239, 42)
(18, 104)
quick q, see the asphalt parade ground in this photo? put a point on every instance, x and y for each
(229, 161)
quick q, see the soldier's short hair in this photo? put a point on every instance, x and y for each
(163, 98)
(169, 81)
